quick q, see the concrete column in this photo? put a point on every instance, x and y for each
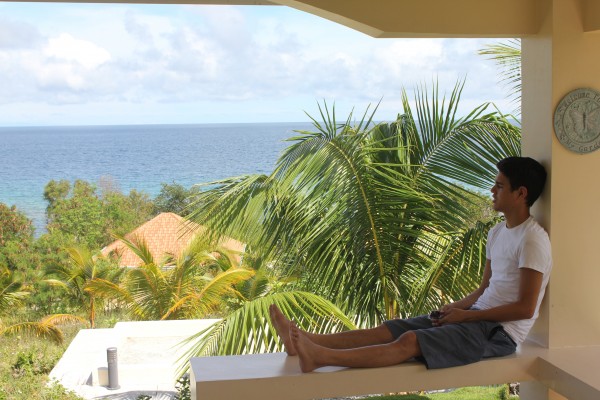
(575, 189)
(537, 391)
(533, 391)
(561, 58)
(536, 119)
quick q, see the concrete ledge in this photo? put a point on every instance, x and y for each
(572, 372)
(277, 376)
(82, 358)
(148, 353)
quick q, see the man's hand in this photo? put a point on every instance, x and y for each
(446, 309)
(441, 313)
(452, 315)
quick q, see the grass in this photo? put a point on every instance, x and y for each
(467, 393)
(25, 363)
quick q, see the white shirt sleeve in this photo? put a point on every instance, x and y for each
(535, 252)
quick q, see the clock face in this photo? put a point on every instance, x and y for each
(577, 121)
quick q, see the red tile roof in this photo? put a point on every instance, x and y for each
(164, 235)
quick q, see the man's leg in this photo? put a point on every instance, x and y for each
(313, 355)
(342, 340)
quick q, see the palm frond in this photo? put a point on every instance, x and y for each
(462, 149)
(384, 210)
(45, 331)
(60, 319)
(139, 247)
(453, 275)
(233, 207)
(11, 293)
(202, 302)
(248, 329)
(507, 57)
(46, 328)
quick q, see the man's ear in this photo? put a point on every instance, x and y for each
(523, 192)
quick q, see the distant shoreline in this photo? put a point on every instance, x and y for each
(202, 124)
(139, 157)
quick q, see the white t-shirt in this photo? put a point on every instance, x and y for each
(523, 246)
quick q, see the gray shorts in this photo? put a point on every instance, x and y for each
(455, 344)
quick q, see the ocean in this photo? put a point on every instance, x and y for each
(137, 157)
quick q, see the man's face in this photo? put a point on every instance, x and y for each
(504, 197)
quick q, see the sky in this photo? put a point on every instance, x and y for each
(116, 64)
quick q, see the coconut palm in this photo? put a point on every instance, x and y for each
(507, 57)
(11, 297)
(373, 217)
(192, 285)
(46, 328)
(76, 275)
(245, 327)
(11, 293)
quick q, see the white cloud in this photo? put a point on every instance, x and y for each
(414, 53)
(237, 58)
(66, 47)
(57, 77)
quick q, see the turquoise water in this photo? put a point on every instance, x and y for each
(134, 157)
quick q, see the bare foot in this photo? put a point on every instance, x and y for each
(282, 326)
(307, 350)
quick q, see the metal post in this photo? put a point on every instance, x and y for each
(113, 369)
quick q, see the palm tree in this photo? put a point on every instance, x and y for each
(247, 329)
(191, 286)
(375, 219)
(82, 269)
(507, 57)
(248, 311)
(12, 296)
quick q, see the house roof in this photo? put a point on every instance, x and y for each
(166, 234)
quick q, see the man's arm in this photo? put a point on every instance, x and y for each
(523, 308)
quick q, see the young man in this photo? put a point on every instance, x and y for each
(489, 322)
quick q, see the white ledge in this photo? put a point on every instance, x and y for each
(277, 376)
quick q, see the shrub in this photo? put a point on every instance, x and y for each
(30, 362)
(183, 388)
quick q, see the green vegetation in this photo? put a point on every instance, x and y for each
(498, 392)
(467, 393)
(191, 286)
(16, 236)
(507, 57)
(175, 198)
(77, 276)
(89, 218)
(25, 364)
(11, 297)
(381, 209)
(46, 292)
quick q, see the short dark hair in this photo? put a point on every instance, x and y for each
(524, 171)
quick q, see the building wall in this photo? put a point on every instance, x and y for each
(575, 195)
(561, 58)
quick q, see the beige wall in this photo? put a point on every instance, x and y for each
(574, 318)
(558, 60)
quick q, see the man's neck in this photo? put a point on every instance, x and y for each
(517, 217)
